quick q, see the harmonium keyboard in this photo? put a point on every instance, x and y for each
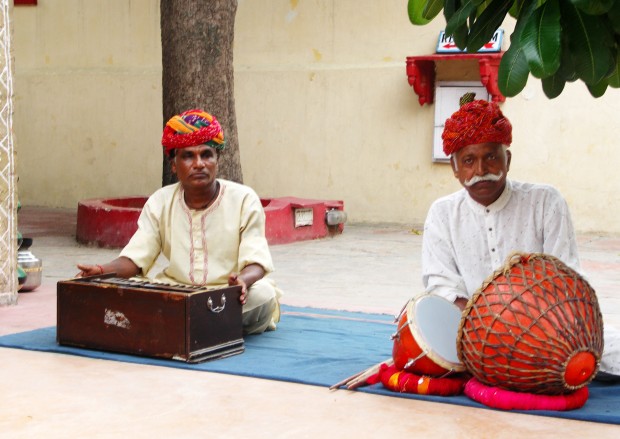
(185, 323)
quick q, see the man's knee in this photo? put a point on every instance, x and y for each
(261, 311)
(261, 292)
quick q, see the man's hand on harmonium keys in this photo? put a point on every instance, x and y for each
(89, 270)
(122, 266)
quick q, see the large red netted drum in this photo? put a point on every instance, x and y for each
(534, 326)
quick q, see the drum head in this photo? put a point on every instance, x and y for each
(436, 321)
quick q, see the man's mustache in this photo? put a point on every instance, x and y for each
(480, 178)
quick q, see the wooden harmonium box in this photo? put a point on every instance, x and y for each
(190, 324)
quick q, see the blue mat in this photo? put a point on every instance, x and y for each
(318, 347)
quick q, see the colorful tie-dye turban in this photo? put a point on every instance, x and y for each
(476, 122)
(192, 128)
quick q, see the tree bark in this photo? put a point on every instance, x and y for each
(197, 70)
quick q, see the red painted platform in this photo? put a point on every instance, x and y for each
(110, 222)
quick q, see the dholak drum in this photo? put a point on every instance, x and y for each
(534, 326)
(425, 342)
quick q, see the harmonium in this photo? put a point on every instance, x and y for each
(185, 323)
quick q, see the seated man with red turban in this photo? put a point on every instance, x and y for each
(211, 230)
(470, 233)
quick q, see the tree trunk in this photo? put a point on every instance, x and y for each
(197, 70)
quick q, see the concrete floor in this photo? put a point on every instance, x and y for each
(368, 268)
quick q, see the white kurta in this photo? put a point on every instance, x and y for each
(464, 242)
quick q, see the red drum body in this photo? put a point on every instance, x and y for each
(425, 342)
(534, 326)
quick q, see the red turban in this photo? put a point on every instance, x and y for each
(192, 128)
(476, 122)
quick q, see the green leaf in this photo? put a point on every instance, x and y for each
(567, 64)
(591, 44)
(432, 9)
(597, 90)
(460, 36)
(612, 43)
(513, 69)
(614, 79)
(482, 30)
(553, 86)
(460, 16)
(515, 9)
(540, 40)
(593, 7)
(482, 6)
(415, 8)
(450, 7)
(614, 16)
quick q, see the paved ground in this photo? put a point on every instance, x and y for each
(368, 268)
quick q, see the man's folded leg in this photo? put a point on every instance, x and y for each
(261, 311)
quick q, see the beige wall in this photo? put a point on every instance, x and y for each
(324, 110)
(87, 99)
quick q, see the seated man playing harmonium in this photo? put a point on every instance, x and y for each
(212, 231)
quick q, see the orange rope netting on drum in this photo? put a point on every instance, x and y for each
(533, 326)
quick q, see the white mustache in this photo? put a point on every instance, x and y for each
(479, 178)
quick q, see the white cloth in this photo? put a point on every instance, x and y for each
(464, 242)
(610, 361)
(204, 246)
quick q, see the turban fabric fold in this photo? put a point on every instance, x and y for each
(476, 122)
(192, 128)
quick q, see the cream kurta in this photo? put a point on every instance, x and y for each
(202, 246)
